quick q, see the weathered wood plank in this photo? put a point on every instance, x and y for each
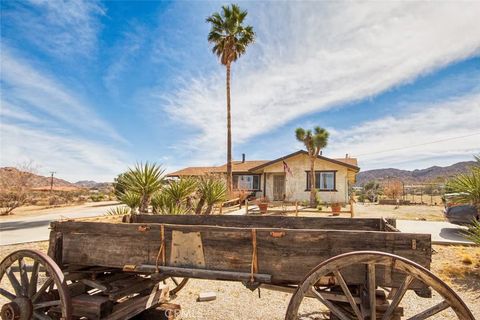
(367, 224)
(287, 258)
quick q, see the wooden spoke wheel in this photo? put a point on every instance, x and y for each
(175, 284)
(367, 311)
(34, 288)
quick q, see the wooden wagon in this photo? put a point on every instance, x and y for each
(116, 267)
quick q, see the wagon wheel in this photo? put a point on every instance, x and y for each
(176, 284)
(369, 260)
(35, 287)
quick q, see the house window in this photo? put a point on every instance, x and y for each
(324, 180)
(246, 182)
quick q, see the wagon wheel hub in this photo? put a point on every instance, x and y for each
(19, 309)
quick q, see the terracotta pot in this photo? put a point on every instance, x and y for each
(263, 207)
(336, 209)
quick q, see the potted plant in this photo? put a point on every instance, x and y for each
(263, 204)
(336, 207)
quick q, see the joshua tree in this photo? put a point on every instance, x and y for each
(144, 180)
(230, 39)
(314, 142)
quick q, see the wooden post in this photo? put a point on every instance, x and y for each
(352, 211)
(296, 208)
(246, 206)
(221, 208)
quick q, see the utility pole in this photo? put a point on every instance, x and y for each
(51, 180)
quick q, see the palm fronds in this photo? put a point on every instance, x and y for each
(230, 38)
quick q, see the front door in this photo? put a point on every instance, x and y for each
(278, 187)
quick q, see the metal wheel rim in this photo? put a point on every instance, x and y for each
(379, 258)
(53, 271)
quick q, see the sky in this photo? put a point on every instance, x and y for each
(90, 88)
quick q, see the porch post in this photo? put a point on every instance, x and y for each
(264, 184)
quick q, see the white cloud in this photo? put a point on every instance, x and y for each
(62, 28)
(25, 84)
(72, 158)
(312, 56)
(453, 125)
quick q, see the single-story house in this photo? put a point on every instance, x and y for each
(287, 178)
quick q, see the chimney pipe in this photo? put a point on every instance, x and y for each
(243, 157)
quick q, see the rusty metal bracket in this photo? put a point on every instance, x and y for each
(143, 228)
(129, 267)
(277, 234)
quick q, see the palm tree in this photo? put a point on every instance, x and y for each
(143, 180)
(314, 142)
(230, 39)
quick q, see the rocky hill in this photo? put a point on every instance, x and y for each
(8, 175)
(432, 174)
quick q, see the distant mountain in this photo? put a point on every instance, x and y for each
(89, 184)
(34, 181)
(432, 174)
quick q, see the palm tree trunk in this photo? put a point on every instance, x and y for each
(313, 199)
(229, 136)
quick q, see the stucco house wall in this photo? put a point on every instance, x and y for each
(295, 184)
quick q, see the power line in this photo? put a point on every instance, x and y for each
(419, 145)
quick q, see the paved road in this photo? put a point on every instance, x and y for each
(28, 229)
(442, 232)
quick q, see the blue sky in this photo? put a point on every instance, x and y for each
(90, 88)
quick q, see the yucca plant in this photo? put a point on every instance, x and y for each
(467, 186)
(131, 200)
(119, 211)
(164, 203)
(211, 191)
(473, 232)
(181, 191)
(144, 180)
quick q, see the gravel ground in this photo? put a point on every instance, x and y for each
(458, 265)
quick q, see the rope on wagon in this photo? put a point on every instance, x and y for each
(161, 251)
(254, 265)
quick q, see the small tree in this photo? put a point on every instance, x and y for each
(371, 191)
(15, 187)
(393, 190)
(314, 142)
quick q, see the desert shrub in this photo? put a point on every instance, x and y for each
(473, 232)
(119, 211)
(96, 197)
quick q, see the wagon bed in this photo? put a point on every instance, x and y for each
(126, 260)
(287, 248)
